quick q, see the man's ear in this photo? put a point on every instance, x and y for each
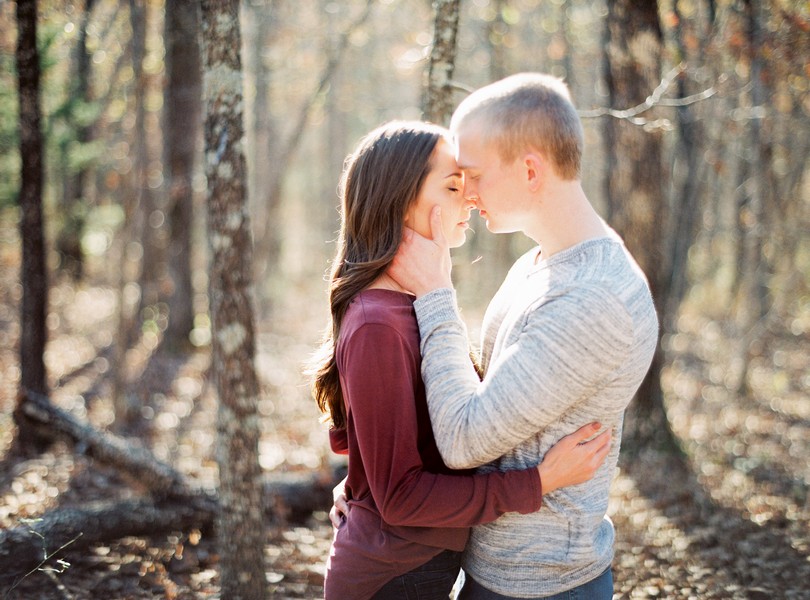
(534, 167)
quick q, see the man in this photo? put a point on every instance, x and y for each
(566, 340)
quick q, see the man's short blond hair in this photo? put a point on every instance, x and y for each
(527, 112)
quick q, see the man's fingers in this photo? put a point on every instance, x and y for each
(603, 448)
(436, 229)
(407, 234)
(582, 434)
(603, 439)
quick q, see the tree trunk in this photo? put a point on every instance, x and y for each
(146, 227)
(134, 229)
(74, 213)
(634, 189)
(268, 158)
(239, 524)
(686, 206)
(34, 276)
(182, 118)
(437, 105)
(753, 217)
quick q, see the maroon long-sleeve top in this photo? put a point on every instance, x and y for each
(406, 505)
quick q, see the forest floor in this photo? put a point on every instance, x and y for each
(731, 520)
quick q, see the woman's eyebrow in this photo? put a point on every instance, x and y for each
(453, 174)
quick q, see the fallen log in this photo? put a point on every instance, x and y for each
(288, 496)
(139, 463)
(293, 497)
(173, 505)
(41, 542)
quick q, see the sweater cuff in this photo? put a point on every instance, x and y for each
(537, 487)
(436, 307)
(530, 496)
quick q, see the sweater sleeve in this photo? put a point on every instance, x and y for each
(564, 351)
(338, 441)
(379, 377)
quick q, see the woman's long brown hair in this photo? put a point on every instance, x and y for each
(380, 181)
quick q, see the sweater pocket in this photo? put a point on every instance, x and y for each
(591, 540)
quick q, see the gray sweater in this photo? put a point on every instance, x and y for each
(565, 341)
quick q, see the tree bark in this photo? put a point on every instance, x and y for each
(634, 190)
(33, 276)
(182, 119)
(239, 524)
(437, 105)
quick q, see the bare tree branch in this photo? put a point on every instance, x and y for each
(329, 69)
(654, 99)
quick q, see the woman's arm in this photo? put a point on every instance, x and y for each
(571, 461)
(380, 373)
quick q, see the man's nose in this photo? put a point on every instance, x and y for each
(470, 193)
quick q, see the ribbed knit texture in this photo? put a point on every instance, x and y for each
(565, 341)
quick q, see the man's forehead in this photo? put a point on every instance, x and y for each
(467, 151)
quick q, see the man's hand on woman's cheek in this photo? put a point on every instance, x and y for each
(422, 265)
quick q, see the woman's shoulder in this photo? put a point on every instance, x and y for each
(377, 306)
(379, 320)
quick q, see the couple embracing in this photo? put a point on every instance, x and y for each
(501, 468)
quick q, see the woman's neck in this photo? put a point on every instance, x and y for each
(385, 282)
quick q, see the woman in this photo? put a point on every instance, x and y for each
(410, 515)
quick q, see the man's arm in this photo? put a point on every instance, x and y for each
(562, 352)
(565, 350)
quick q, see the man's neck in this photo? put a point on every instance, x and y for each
(564, 218)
